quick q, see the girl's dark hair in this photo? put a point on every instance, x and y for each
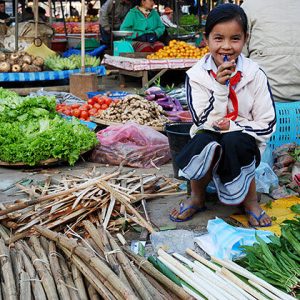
(223, 13)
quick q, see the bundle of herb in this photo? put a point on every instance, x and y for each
(277, 262)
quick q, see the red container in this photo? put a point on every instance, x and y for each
(185, 116)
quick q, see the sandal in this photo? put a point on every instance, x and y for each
(257, 218)
(183, 209)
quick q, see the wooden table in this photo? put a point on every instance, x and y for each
(143, 74)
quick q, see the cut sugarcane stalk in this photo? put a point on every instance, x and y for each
(210, 276)
(187, 279)
(243, 285)
(263, 290)
(191, 292)
(243, 292)
(245, 273)
(202, 260)
(224, 283)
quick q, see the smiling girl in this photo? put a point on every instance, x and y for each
(233, 115)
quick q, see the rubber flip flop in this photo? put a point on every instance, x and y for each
(257, 218)
(184, 209)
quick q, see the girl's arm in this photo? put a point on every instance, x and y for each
(263, 111)
(206, 106)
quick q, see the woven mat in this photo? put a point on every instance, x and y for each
(279, 211)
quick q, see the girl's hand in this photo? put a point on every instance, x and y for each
(221, 124)
(225, 71)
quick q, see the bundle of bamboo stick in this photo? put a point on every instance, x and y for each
(54, 266)
(104, 199)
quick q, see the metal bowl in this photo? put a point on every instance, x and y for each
(122, 33)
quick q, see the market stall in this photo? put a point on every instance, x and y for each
(177, 56)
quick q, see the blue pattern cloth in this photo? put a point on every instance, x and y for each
(47, 75)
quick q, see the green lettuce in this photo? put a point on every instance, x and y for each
(31, 131)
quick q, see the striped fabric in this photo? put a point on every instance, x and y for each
(47, 75)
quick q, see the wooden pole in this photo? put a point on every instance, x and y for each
(89, 258)
(82, 36)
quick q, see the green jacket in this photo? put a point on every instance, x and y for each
(135, 21)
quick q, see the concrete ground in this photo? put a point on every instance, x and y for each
(158, 208)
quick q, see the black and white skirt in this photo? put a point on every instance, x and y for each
(237, 156)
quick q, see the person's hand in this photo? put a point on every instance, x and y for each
(221, 124)
(225, 71)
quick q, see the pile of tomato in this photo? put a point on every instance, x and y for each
(93, 107)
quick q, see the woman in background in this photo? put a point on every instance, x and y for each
(146, 25)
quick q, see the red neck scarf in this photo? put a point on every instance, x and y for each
(232, 95)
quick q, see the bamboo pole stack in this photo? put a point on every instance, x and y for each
(108, 199)
(54, 266)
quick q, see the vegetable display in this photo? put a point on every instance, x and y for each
(135, 108)
(93, 107)
(57, 63)
(31, 131)
(20, 62)
(277, 262)
(170, 105)
(179, 49)
(189, 20)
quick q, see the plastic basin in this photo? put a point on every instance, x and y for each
(178, 136)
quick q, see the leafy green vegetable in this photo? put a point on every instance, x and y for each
(31, 131)
(278, 261)
(189, 20)
(295, 208)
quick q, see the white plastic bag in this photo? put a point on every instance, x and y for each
(265, 178)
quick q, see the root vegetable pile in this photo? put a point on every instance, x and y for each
(135, 108)
(20, 62)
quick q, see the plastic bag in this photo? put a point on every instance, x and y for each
(224, 241)
(265, 178)
(132, 145)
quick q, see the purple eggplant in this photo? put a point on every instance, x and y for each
(150, 97)
(177, 104)
(152, 90)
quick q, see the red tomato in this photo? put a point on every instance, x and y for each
(76, 113)
(104, 106)
(76, 105)
(97, 106)
(93, 111)
(91, 101)
(108, 101)
(67, 112)
(90, 106)
(100, 101)
(84, 115)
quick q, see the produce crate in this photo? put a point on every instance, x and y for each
(288, 124)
